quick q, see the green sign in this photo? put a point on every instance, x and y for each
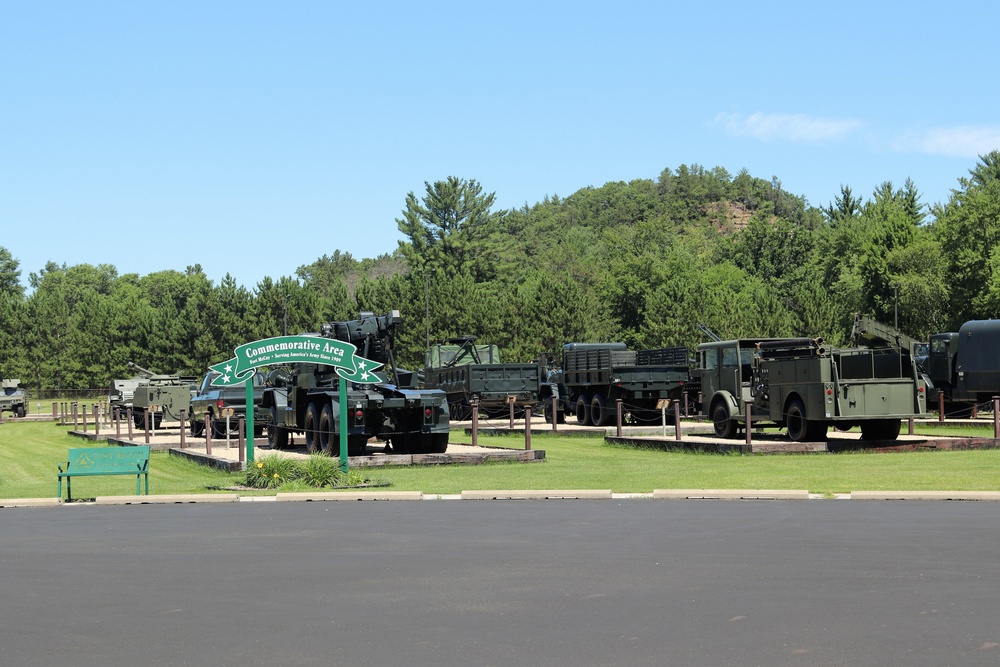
(295, 349)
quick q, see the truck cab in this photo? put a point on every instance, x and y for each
(725, 368)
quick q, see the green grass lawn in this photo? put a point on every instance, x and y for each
(30, 452)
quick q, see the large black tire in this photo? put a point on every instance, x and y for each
(19, 411)
(723, 425)
(795, 421)
(197, 428)
(880, 429)
(429, 443)
(582, 411)
(329, 439)
(311, 427)
(219, 427)
(277, 436)
(800, 427)
(357, 445)
(598, 414)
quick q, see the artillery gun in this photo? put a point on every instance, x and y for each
(12, 398)
(305, 398)
(167, 395)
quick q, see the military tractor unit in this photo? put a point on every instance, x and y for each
(594, 376)
(305, 398)
(469, 372)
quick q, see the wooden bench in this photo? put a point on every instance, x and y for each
(93, 461)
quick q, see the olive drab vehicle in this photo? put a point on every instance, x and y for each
(166, 395)
(467, 371)
(800, 385)
(964, 366)
(594, 376)
(305, 398)
(13, 399)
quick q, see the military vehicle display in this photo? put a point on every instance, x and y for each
(218, 403)
(13, 399)
(306, 399)
(964, 366)
(797, 384)
(595, 375)
(466, 371)
(166, 394)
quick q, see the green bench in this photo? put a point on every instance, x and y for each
(93, 461)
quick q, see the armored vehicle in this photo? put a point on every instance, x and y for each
(12, 398)
(595, 375)
(224, 406)
(797, 384)
(305, 398)
(167, 395)
(467, 371)
(965, 365)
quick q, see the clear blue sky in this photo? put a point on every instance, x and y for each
(254, 137)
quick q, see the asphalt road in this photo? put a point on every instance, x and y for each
(631, 582)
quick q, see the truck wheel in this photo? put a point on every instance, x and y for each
(20, 411)
(329, 439)
(795, 421)
(597, 414)
(357, 445)
(880, 429)
(311, 426)
(277, 436)
(197, 428)
(724, 426)
(582, 411)
(219, 427)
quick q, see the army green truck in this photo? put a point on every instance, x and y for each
(595, 375)
(305, 398)
(167, 395)
(799, 385)
(468, 371)
(13, 399)
(224, 406)
(964, 366)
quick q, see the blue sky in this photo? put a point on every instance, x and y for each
(254, 137)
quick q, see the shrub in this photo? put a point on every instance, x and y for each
(270, 472)
(319, 471)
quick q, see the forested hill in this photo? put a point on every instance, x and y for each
(642, 262)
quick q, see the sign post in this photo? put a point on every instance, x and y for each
(343, 425)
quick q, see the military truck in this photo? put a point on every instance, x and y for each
(799, 385)
(13, 399)
(965, 365)
(305, 398)
(595, 375)
(224, 406)
(465, 370)
(166, 394)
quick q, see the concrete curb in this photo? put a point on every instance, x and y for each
(925, 495)
(30, 502)
(168, 499)
(602, 494)
(531, 494)
(730, 494)
(350, 495)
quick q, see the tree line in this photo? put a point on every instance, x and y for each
(642, 262)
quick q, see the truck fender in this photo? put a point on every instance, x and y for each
(727, 399)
